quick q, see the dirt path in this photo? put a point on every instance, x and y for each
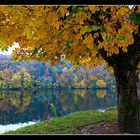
(107, 127)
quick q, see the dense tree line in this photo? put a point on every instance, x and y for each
(40, 75)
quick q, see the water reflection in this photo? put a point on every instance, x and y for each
(20, 100)
(25, 106)
(5, 128)
(101, 94)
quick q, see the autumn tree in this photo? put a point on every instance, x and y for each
(25, 78)
(101, 83)
(15, 80)
(84, 35)
(6, 77)
(2, 83)
(21, 79)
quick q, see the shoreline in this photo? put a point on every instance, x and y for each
(69, 124)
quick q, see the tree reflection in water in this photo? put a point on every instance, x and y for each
(23, 106)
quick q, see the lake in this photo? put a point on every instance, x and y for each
(22, 108)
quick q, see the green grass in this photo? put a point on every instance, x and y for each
(69, 124)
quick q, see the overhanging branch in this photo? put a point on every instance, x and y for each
(108, 59)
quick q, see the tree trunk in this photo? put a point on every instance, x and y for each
(127, 83)
(128, 90)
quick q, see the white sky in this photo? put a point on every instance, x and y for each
(16, 45)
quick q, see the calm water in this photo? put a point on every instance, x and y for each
(22, 108)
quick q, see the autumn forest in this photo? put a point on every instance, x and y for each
(39, 75)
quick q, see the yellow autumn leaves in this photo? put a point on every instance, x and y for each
(123, 11)
(114, 39)
(50, 27)
(88, 41)
(93, 9)
(101, 83)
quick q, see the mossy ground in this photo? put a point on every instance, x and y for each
(69, 124)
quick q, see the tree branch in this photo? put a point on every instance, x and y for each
(108, 59)
(133, 54)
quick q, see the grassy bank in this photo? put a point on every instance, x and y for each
(69, 124)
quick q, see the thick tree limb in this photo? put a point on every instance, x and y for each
(129, 60)
(108, 59)
(133, 54)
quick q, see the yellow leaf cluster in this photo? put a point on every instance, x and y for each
(123, 11)
(93, 9)
(28, 33)
(63, 10)
(92, 77)
(85, 60)
(114, 50)
(80, 18)
(46, 29)
(101, 83)
(88, 41)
